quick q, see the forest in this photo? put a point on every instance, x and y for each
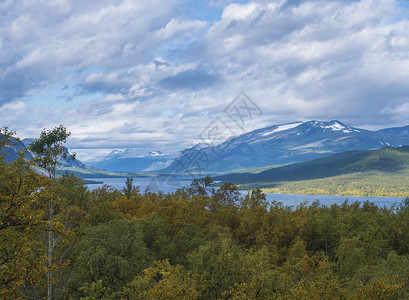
(60, 240)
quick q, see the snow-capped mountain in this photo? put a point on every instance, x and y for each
(284, 144)
(130, 161)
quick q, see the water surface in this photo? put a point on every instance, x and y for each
(171, 184)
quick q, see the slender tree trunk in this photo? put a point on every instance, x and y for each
(50, 252)
(48, 149)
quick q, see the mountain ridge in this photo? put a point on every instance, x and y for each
(13, 149)
(285, 144)
(130, 161)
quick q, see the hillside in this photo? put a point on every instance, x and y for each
(353, 172)
(376, 184)
(12, 150)
(285, 144)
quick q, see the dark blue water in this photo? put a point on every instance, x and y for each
(170, 184)
(165, 184)
(328, 200)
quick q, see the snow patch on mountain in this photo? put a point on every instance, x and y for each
(154, 154)
(282, 128)
(337, 126)
(130, 153)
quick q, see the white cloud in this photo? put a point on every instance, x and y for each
(398, 112)
(45, 43)
(239, 12)
(177, 27)
(153, 76)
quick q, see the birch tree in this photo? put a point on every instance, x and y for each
(49, 151)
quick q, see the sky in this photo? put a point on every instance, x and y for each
(153, 75)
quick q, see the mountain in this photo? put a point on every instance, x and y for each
(388, 160)
(284, 144)
(129, 161)
(13, 149)
(16, 146)
(399, 131)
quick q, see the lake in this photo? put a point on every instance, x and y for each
(172, 183)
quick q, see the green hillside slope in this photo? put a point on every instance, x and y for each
(383, 172)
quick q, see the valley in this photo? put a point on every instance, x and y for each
(313, 157)
(194, 150)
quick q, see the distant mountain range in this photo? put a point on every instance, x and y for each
(129, 161)
(284, 144)
(274, 145)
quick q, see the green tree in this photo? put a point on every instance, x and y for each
(102, 205)
(129, 190)
(185, 241)
(155, 233)
(227, 195)
(6, 138)
(114, 253)
(255, 199)
(216, 267)
(162, 281)
(201, 187)
(48, 151)
(22, 194)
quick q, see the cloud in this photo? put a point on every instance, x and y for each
(49, 42)
(111, 83)
(342, 58)
(179, 28)
(191, 79)
(398, 112)
(148, 73)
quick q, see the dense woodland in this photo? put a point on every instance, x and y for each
(200, 242)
